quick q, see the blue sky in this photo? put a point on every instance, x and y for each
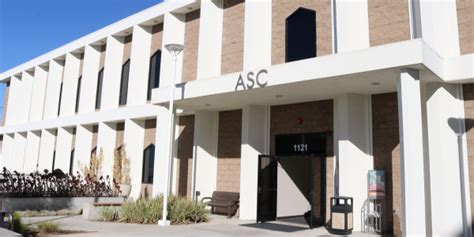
(30, 28)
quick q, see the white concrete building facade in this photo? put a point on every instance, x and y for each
(364, 85)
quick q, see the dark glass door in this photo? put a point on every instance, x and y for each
(267, 188)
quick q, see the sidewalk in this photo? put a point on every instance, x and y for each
(218, 226)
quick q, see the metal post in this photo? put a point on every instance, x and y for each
(175, 50)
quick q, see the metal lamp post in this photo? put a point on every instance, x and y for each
(174, 49)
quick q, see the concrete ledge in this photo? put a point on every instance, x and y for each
(53, 203)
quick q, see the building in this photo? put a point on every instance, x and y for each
(359, 85)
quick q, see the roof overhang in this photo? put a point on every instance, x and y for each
(367, 71)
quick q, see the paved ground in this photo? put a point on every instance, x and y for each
(218, 226)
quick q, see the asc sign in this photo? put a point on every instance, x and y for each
(251, 80)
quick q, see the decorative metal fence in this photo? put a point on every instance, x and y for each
(55, 184)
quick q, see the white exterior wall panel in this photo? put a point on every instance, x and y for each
(39, 93)
(90, 74)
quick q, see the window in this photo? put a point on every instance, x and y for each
(98, 95)
(301, 35)
(124, 83)
(148, 164)
(60, 98)
(54, 160)
(78, 93)
(154, 75)
(71, 162)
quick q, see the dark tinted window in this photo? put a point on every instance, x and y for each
(78, 95)
(301, 35)
(148, 164)
(71, 162)
(124, 83)
(98, 95)
(154, 75)
(60, 97)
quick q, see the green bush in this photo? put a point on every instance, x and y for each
(48, 227)
(146, 211)
(108, 213)
(17, 223)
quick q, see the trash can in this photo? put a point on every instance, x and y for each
(341, 216)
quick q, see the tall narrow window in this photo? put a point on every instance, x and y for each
(154, 75)
(78, 93)
(148, 164)
(71, 162)
(60, 98)
(54, 160)
(124, 83)
(301, 35)
(98, 95)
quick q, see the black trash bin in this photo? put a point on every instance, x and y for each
(341, 216)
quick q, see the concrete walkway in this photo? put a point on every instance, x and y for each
(218, 226)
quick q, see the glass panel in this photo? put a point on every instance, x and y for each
(301, 35)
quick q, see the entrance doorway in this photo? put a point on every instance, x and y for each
(292, 182)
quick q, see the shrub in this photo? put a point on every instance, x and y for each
(146, 211)
(18, 225)
(108, 213)
(48, 227)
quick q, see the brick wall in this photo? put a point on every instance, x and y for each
(386, 150)
(316, 117)
(150, 129)
(281, 9)
(228, 151)
(465, 10)
(156, 38)
(95, 129)
(468, 93)
(119, 135)
(102, 56)
(233, 36)
(185, 155)
(388, 21)
(5, 103)
(127, 48)
(191, 45)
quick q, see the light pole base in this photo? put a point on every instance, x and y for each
(164, 223)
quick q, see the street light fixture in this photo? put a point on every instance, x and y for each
(175, 50)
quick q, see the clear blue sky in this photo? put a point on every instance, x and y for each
(30, 28)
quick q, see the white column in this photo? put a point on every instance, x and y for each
(24, 97)
(83, 146)
(450, 201)
(439, 26)
(13, 102)
(47, 145)
(255, 141)
(257, 34)
(106, 142)
(63, 149)
(210, 39)
(173, 33)
(411, 153)
(32, 151)
(70, 83)
(206, 125)
(17, 156)
(7, 150)
(53, 87)
(134, 134)
(352, 129)
(139, 65)
(161, 151)
(90, 73)
(112, 72)
(39, 93)
(351, 25)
